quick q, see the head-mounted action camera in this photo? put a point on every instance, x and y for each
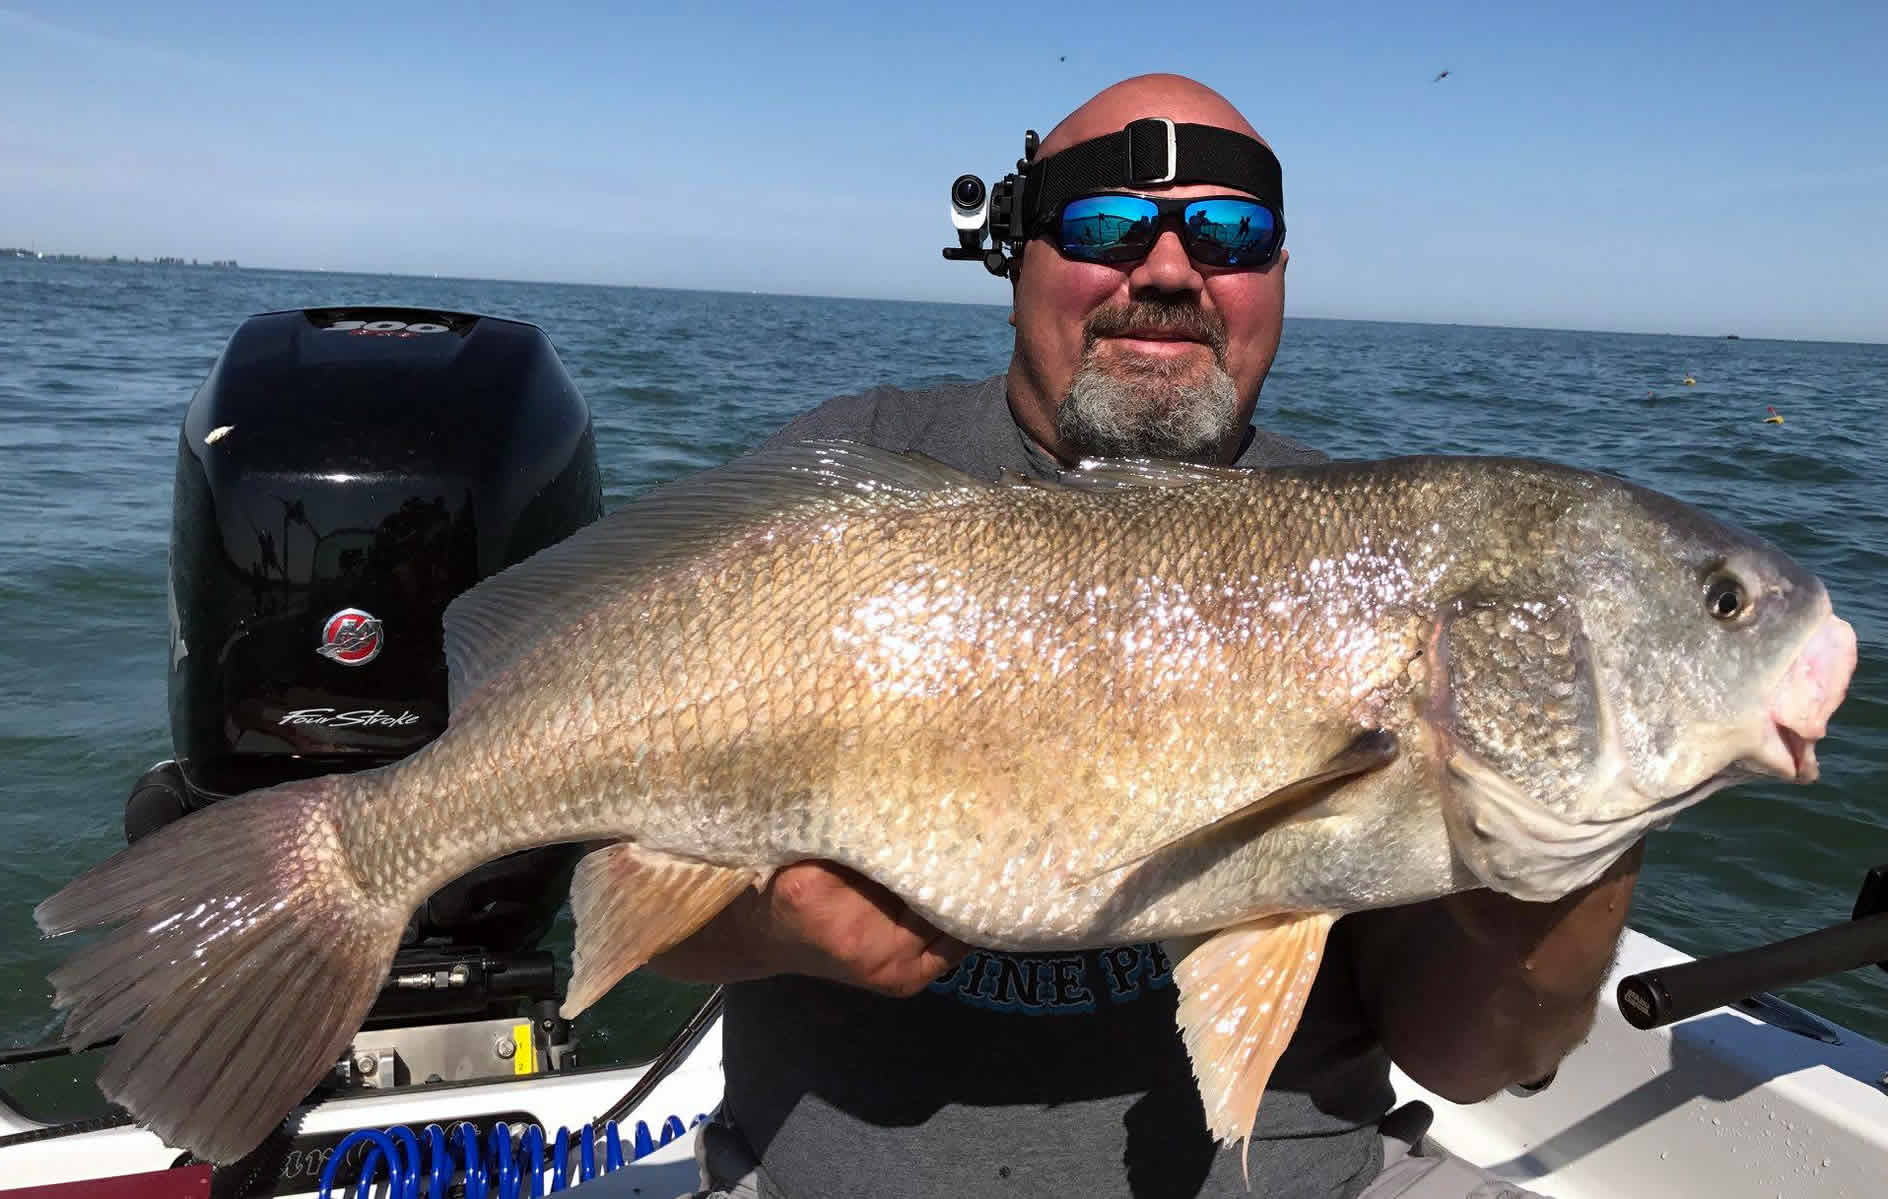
(1150, 152)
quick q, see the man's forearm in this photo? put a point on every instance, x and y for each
(817, 919)
(1477, 991)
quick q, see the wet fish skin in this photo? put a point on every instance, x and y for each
(985, 698)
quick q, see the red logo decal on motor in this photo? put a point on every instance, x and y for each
(351, 637)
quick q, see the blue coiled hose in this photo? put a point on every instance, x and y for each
(489, 1167)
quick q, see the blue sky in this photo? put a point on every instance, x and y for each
(1700, 168)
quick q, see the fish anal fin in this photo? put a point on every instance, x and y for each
(1369, 751)
(630, 904)
(1242, 991)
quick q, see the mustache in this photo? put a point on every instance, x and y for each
(1147, 316)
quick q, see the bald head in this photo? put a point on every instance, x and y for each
(1159, 356)
(1175, 97)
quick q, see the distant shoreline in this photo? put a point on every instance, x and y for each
(17, 254)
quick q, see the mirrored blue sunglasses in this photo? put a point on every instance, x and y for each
(1227, 231)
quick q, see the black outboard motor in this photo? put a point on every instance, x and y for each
(342, 475)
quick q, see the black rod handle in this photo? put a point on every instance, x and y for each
(14, 1055)
(1658, 997)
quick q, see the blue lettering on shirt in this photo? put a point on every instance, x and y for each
(1056, 984)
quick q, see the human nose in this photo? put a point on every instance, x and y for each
(1166, 269)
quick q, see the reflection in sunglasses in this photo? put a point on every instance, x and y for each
(1101, 229)
(1218, 230)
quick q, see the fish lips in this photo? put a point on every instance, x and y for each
(1786, 754)
(1801, 701)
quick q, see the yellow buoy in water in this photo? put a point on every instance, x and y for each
(1690, 382)
(1775, 417)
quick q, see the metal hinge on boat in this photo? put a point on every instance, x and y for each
(1780, 1013)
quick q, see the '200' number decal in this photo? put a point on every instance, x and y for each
(386, 327)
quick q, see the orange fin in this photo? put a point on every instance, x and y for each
(1241, 993)
(630, 904)
(1372, 750)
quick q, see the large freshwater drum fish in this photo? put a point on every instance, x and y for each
(1155, 702)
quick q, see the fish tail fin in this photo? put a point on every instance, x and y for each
(247, 955)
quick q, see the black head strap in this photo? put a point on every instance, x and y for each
(1148, 153)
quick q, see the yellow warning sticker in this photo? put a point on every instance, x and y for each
(524, 1055)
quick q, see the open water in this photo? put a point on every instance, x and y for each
(98, 362)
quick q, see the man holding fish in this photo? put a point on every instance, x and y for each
(1139, 732)
(1152, 353)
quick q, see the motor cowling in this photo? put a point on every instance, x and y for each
(342, 475)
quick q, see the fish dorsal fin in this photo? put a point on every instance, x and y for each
(1109, 474)
(1241, 993)
(488, 625)
(629, 904)
(1371, 750)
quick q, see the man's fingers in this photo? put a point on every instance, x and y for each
(824, 920)
(942, 954)
(931, 950)
(861, 932)
(913, 956)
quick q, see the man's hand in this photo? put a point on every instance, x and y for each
(818, 919)
(1477, 991)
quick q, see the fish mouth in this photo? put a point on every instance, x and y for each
(1793, 755)
(1785, 754)
(1809, 691)
(1812, 688)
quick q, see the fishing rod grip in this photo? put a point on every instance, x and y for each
(1659, 997)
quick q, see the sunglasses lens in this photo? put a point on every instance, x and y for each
(1231, 232)
(1109, 228)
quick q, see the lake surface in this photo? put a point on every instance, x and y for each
(98, 362)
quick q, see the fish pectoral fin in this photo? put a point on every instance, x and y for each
(630, 904)
(1241, 993)
(1371, 750)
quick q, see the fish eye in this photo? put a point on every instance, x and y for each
(1725, 598)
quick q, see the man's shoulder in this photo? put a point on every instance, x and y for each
(969, 425)
(899, 418)
(1275, 449)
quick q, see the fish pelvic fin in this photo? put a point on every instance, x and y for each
(1371, 750)
(247, 957)
(630, 904)
(1242, 991)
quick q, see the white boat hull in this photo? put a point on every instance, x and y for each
(1722, 1106)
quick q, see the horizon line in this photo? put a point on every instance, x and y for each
(200, 264)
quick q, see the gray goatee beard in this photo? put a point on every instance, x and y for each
(1149, 408)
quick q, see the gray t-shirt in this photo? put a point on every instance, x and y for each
(1055, 1074)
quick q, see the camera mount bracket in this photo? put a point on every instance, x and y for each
(1150, 152)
